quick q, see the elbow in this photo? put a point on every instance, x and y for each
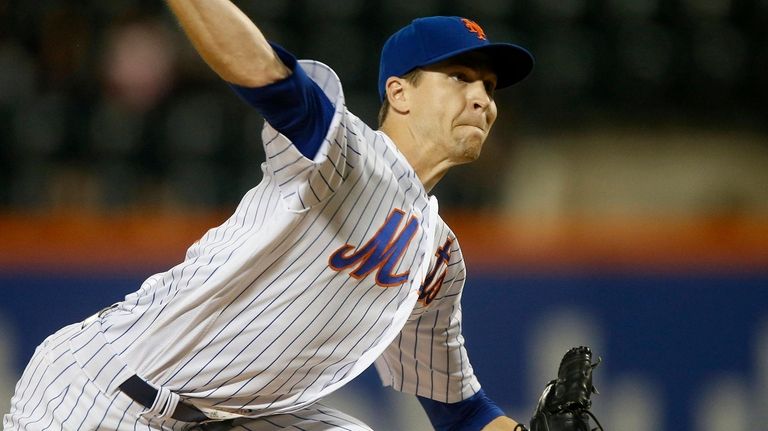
(250, 72)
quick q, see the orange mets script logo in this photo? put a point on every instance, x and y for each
(381, 253)
(474, 28)
(433, 282)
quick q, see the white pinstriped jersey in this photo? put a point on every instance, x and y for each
(325, 266)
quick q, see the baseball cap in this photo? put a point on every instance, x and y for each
(430, 40)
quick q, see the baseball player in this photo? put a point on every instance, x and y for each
(337, 260)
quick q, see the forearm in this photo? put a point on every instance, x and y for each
(501, 423)
(229, 42)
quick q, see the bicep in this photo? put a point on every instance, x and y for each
(229, 42)
(295, 106)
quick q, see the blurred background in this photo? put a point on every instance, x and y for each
(621, 201)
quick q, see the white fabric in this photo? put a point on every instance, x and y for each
(258, 321)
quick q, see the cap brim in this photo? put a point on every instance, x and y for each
(511, 63)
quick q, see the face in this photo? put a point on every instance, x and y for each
(452, 106)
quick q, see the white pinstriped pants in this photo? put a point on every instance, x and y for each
(55, 393)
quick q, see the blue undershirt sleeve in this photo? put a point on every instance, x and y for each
(472, 414)
(294, 106)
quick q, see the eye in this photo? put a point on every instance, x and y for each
(490, 87)
(459, 76)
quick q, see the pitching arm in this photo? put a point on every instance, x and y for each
(229, 42)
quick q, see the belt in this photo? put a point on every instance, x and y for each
(145, 394)
(105, 368)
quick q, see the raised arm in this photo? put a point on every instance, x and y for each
(229, 42)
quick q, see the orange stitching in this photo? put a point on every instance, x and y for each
(474, 28)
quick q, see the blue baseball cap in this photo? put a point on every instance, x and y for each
(430, 40)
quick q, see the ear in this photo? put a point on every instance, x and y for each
(397, 94)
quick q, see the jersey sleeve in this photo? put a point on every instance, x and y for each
(429, 358)
(295, 106)
(305, 182)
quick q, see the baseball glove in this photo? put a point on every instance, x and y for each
(564, 404)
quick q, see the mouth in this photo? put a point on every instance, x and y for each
(478, 123)
(482, 129)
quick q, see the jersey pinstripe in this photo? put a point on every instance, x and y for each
(428, 357)
(259, 320)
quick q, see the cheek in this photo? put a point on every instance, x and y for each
(492, 113)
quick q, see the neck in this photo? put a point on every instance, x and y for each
(428, 163)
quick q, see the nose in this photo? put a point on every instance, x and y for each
(479, 96)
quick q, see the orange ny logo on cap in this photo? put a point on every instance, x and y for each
(474, 28)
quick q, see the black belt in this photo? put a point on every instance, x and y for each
(144, 394)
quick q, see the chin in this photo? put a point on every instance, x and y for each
(472, 154)
(472, 147)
